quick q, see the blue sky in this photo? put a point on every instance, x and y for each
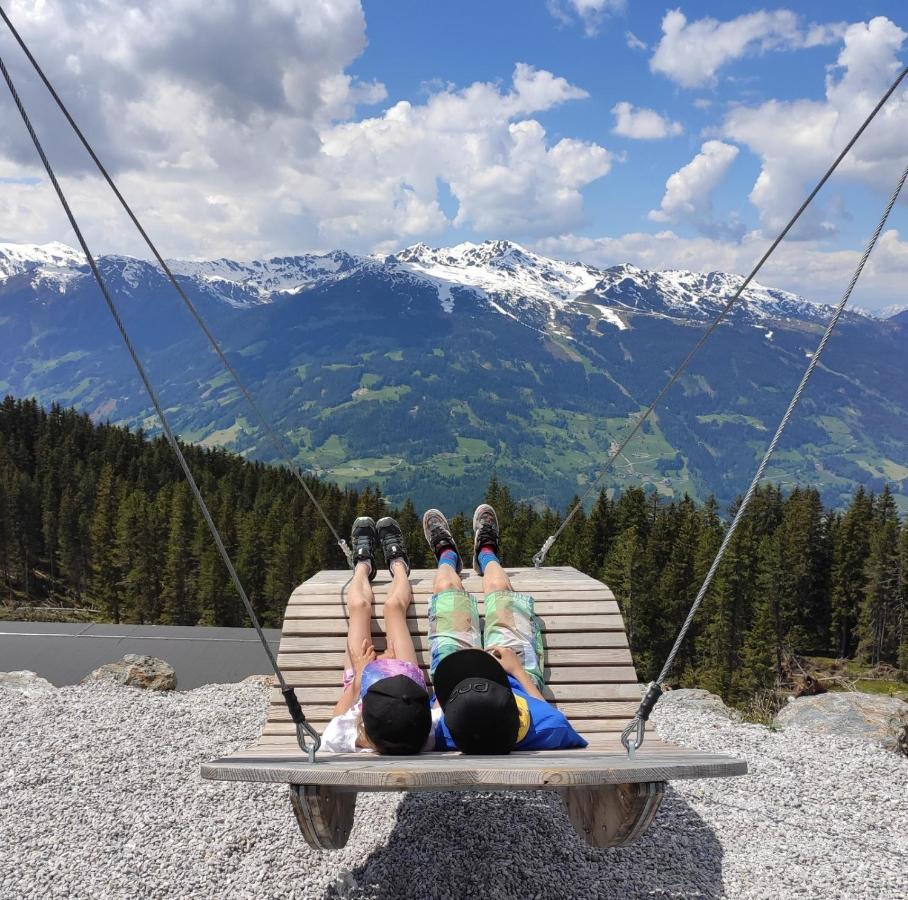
(411, 53)
(668, 136)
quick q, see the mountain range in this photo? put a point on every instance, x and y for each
(427, 369)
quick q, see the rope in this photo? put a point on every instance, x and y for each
(540, 556)
(303, 728)
(273, 436)
(655, 691)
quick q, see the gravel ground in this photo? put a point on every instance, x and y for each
(100, 797)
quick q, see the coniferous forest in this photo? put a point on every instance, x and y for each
(98, 518)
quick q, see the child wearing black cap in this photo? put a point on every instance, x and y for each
(385, 705)
(491, 698)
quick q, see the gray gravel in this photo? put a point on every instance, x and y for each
(100, 797)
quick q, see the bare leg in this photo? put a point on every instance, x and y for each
(494, 578)
(446, 579)
(359, 625)
(400, 596)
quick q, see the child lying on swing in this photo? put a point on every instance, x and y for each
(385, 704)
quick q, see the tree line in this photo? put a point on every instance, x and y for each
(99, 518)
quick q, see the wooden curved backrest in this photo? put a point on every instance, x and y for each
(589, 672)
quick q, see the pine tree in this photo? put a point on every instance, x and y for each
(176, 607)
(903, 599)
(878, 619)
(849, 557)
(104, 574)
(138, 559)
(621, 571)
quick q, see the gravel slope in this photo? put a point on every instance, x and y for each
(100, 797)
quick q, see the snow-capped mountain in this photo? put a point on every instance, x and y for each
(432, 367)
(514, 281)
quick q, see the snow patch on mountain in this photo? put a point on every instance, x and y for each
(50, 266)
(261, 279)
(497, 268)
(508, 278)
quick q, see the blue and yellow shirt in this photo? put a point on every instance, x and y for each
(542, 727)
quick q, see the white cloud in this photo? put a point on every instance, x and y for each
(591, 13)
(691, 53)
(806, 268)
(238, 134)
(633, 42)
(796, 140)
(642, 123)
(497, 164)
(688, 192)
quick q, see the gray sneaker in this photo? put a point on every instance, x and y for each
(364, 537)
(485, 533)
(438, 533)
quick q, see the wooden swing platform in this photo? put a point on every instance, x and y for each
(611, 798)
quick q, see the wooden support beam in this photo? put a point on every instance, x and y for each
(613, 815)
(324, 815)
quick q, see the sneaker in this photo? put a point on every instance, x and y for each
(485, 533)
(364, 537)
(392, 541)
(438, 533)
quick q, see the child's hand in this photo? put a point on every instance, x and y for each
(509, 660)
(362, 657)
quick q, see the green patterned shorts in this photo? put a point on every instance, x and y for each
(454, 624)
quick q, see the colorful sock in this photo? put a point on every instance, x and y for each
(487, 555)
(448, 558)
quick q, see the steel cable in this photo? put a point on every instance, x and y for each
(541, 554)
(303, 728)
(654, 690)
(272, 435)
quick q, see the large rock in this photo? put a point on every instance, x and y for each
(697, 698)
(147, 672)
(882, 720)
(25, 682)
(264, 680)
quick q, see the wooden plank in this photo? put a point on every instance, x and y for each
(452, 771)
(336, 594)
(551, 641)
(334, 660)
(598, 742)
(330, 676)
(598, 709)
(559, 607)
(420, 624)
(548, 573)
(559, 693)
(423, 579)
(584, 727)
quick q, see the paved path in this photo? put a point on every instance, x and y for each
(64, 652)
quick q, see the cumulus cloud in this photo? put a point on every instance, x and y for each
(642, 123)
(591, 13)
(688, 192)
(240, 134)
(806, 268)
(691, 53)
(496, 163)
(796, 140)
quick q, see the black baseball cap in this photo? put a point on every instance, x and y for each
(396, 716)
(479, 705)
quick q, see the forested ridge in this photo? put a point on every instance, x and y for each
(96, 517)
